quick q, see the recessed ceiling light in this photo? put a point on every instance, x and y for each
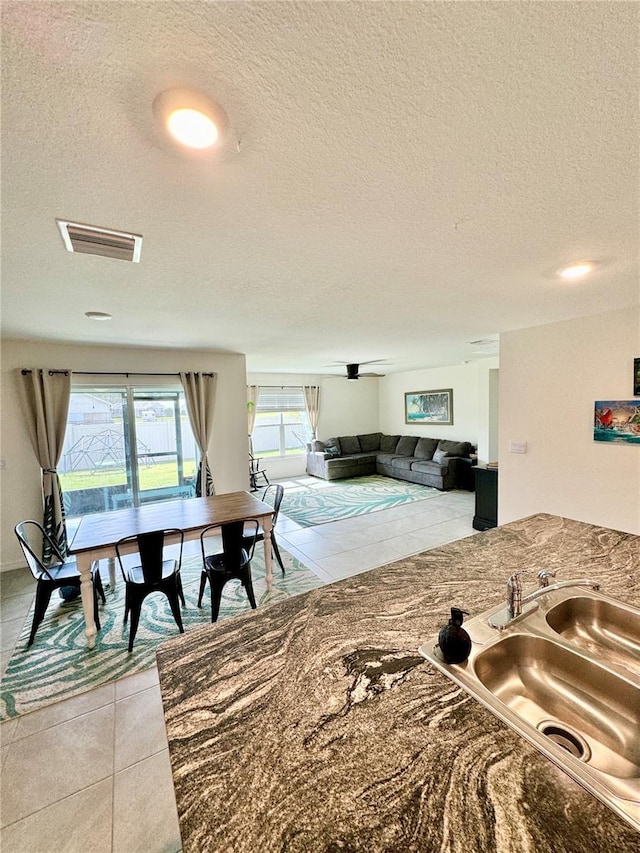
(577, 270)
(192, 128)
(98, 315)
(191, 118)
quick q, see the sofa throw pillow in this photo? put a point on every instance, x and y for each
(407, 445)
(332, 447)
(455, 448)
(425, 448)
(439, 456)
(369, 442)
(318, 446)
(349, 444)
(388, 443)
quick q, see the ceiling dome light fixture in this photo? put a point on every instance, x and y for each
(192, 128)
(191, 118)
(98, 315)
(577, 270)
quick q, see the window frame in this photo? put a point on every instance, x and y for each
(133, 392)
(280, 400)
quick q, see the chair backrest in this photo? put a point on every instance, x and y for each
(39, 549)
(238, 541)
(151, 549)
(273, 495)
(254, 464)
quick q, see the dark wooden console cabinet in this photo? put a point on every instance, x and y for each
(486, 498)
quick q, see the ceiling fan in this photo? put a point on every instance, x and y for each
(353, 370)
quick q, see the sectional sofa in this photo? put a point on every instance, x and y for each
(429, 461)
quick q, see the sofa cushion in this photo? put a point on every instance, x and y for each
(455, 448)
(331, 445)
(351, 461)
(402, 463)
(425, 466)
(388, 443)
(349, 444)
(386, 458)
(425, 448)
(369, 442)
(406, 445)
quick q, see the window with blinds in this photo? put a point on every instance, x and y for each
(281, 427)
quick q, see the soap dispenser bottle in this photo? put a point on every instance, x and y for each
(453, 640)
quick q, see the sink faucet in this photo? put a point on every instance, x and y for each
(514, 589)
(515, 599)
(559, 585)
(514, 593)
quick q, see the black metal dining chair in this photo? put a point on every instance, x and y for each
(273, 495)
(233, 562)
(151, 569)
(51, 571)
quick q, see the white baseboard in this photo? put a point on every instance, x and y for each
(11, 565)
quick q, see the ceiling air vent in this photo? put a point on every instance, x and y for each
(89, 240)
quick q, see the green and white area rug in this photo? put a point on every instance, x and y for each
(318, 503)
(59, 665)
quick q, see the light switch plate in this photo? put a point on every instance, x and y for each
(517, 447)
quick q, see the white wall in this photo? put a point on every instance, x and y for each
(471, 408)
(550, 377)
(488, 410)
(20, 478)
(349, 408)
(494, 416)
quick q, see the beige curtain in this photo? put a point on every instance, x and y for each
(45, 396)
(252, 406)
(200, 395)
(312, 405)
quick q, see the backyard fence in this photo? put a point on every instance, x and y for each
(92, 447)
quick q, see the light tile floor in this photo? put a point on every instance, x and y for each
(92, 773)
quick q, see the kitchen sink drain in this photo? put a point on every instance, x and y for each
(565, 737)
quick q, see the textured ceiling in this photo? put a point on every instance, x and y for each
(400, 178)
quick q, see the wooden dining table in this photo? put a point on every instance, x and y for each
(97, 534)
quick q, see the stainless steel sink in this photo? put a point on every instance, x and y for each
(566, 676)
(605, 628)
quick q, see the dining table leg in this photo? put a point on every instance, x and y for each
(267, 524)
(84, 562)
(111, 564)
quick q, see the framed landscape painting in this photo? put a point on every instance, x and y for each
(617, 420)
(429, 407)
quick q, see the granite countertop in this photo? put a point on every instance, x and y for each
(314, 725)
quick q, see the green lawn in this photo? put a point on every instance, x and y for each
(154, 476)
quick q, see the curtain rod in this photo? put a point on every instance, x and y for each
(25, 372)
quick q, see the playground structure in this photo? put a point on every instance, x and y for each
(102, 451)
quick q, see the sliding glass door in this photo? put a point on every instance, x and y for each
(160, 466)
(124, 447)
